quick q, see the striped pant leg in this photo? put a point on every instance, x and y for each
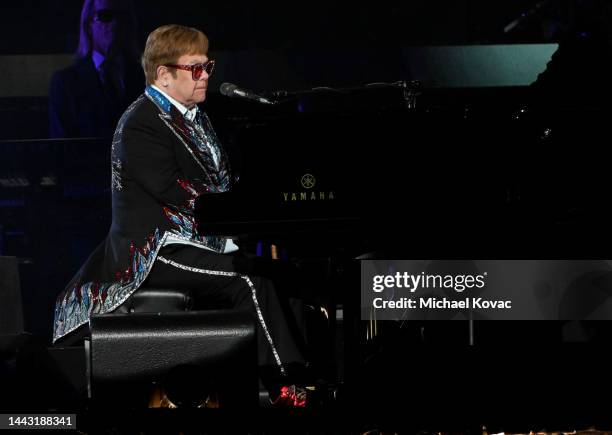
(215, 281)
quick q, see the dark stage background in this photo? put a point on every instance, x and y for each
(484, 114)
(452, 47)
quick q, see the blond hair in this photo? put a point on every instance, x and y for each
(167, 44)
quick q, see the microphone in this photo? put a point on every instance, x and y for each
(231, 90)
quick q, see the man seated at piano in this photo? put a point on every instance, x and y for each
(165, 154)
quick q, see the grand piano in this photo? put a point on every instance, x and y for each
(365, 170)
(362, 174)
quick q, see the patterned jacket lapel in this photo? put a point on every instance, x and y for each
(223, 172)
(178, 125)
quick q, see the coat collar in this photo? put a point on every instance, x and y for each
(190, 114)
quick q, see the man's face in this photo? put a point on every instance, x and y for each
(183, 88)
(109, 27)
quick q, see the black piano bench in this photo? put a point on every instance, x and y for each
(153, 349)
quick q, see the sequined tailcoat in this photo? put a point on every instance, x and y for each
(160, 163)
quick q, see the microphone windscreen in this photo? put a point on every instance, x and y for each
(227, 89)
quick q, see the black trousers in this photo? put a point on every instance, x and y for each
(228, 281)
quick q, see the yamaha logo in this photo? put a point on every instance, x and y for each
(308, 181)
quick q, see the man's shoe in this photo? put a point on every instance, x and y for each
(292, 396)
